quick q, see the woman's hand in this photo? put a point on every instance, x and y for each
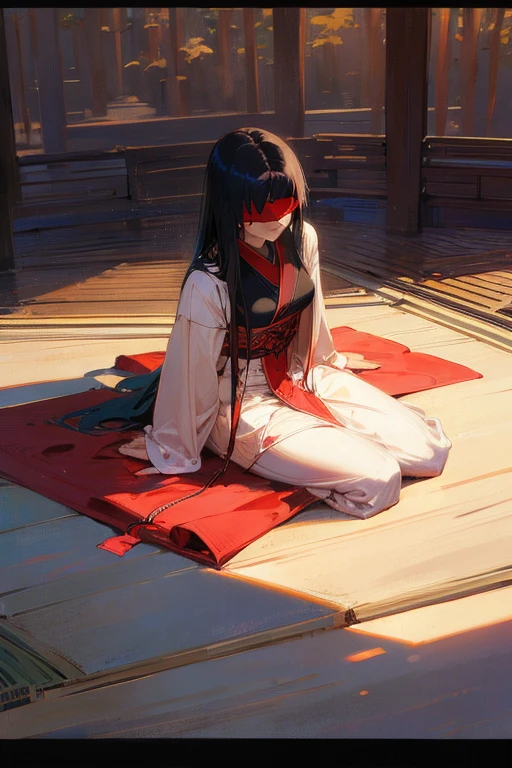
(356, 362)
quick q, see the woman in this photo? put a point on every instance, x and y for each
(274, 396)
(316, 424)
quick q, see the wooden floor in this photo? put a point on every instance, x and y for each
(82, 271)
(468, 270)
(447, 535)
(446, 538)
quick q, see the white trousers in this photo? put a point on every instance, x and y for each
(356, 467)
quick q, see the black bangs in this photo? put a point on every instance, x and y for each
(246, 167)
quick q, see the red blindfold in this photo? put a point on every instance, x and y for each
(271, 211)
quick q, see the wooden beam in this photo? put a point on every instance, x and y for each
(494, 53)
(224, 57)
(117, 27)
(447, 16)
(407, 53)
(49, 79)
(251, 62)
(183, 80)
(170, 44)
(376, 68)
(92, 24)
(8, 165)
(468, 67)
(289, 45)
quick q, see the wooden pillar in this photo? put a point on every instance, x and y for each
(137, 33)
(224, 57)
(8, 164)
(407, 53)
(92, 25)
(177, 41)
(493, 64)
(116, 31)
(251, 63)
(83, 63)
(49, 79)
(447, 16)
(171, 45)
(289, 44)
(153, 37)
(468, 67)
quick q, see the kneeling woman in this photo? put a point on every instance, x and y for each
(251, 372)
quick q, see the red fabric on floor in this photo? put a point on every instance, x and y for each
(88, 474)
(402, 372)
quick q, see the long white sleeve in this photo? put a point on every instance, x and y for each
(187, 402)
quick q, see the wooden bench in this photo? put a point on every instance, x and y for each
(72, 177)
(466, 182)
(335, 165)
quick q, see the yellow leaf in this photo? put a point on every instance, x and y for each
(260, 57)
(180, 77)
(505, 40)
(459, 37)
(240, 50)
(193, 49)
(333, 39)
(340, 17)
(508, 13)
(258, 24)
(267, 12)
(261, 46)
(270, 29)
(233, 26)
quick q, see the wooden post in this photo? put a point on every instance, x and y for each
(446, 17)
(92, 25)
(251, 63)
(152, 42)
(83, 63)
(376, 67)
(224, 54)
(49, 79)
(407, 52)
(468, 67)
(493, 64)
(289, 44)
(171, 56)
(365, 56)
(176, 22)
(8, 165)
(116, 31)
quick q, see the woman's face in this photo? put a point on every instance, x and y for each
(268, 230)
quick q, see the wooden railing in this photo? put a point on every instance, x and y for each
(466, 181)
(72, 177)
(335, 165)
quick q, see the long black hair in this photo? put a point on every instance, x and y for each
(247, 167)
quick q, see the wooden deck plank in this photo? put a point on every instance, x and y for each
(443, 530)
(191, 608)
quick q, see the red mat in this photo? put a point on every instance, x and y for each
(89, 475)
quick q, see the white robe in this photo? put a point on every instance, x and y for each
(356, 467)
